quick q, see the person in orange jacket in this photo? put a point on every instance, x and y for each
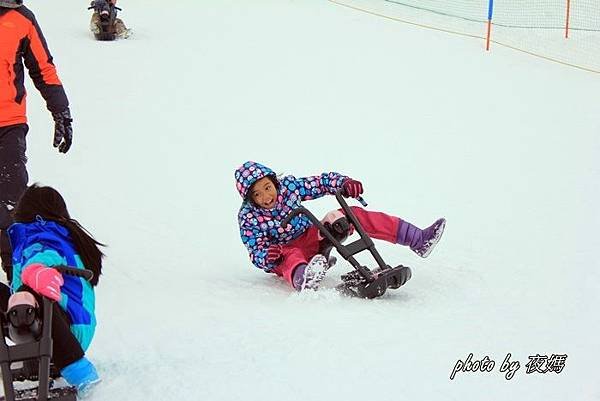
(22, 42)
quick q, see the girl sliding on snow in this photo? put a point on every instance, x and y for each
(292, 253)
(43, 236)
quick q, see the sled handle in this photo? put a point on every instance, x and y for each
(302, 210)
(74, 271)
(324, 231)
(339, 194)
(297, 212)
(348, 251)
(115, 7)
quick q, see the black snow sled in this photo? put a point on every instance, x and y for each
(362, 282)
(30, 358)
(108, 16)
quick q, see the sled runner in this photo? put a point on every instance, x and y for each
(362, 282)
(31, 334)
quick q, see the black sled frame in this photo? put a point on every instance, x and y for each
(38, 350)
(362, 282)
(108, 16)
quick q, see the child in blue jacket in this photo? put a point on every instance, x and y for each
(292, 253)
(45, 235)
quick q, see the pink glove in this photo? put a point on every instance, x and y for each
(274, 253)
(44, 280)
(352, 188)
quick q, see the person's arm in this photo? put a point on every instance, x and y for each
(257, 243)
(42, 71)
(34, 273)
(314, 187)
(38, 61)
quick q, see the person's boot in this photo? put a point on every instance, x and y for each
(309, 276)
(95, 24)
(420, 241)
(81, 374)
(121, 31)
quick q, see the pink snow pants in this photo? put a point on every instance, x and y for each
(378, 225)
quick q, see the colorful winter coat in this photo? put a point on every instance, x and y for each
(21, 40)
(259, 227)
(49, 243)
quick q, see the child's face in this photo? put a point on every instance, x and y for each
(264, 193)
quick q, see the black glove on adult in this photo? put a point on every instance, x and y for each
(63, 132)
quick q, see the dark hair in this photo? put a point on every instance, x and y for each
(48, 204)
(271, 177)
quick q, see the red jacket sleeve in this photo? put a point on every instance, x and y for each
(38, 61)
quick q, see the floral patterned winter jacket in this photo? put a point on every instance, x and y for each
(259, 227)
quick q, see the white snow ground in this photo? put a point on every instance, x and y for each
(505, 146)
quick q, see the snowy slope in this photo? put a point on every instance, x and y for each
(504, 146)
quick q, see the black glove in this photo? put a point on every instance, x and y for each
(63, 132)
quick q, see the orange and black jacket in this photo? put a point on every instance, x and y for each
(21, 40)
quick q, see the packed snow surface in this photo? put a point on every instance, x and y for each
(505, 146)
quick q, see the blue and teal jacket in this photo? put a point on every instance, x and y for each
(259, 227)
(50, 244)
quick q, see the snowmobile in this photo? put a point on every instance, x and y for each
(29, 359)
(107, 13)
(362, 282)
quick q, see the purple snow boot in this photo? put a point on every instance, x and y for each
(420, 241)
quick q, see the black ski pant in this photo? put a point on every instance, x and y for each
(66, 348)
(13, 182)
